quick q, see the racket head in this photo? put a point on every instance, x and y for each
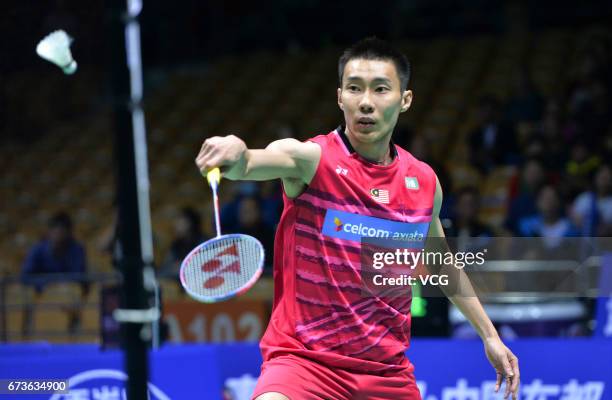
(222, 267)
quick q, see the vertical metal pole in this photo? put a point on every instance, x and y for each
(134, 228)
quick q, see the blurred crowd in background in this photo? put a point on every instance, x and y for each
(528, 157)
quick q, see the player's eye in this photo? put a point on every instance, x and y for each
(353, 88)
(382, 89)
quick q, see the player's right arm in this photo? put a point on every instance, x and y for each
(288, 159)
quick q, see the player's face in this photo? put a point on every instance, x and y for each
(371, 98)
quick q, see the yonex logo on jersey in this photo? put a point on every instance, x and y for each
(412, 183)
(341, 171)
(349, 226)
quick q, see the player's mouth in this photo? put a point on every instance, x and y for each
(366, 123)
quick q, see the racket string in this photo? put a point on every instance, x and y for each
(223, 266)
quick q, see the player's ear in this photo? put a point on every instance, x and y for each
(406, 100)
(339, 91)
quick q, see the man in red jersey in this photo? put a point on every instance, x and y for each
(325, 339)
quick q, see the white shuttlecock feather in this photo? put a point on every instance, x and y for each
(55, 47)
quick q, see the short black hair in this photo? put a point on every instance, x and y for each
(372, 48)
(61, 220)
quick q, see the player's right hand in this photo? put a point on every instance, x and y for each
(221, 151)
(506, 366)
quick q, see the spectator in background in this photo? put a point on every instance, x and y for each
(229, 209)
(592, 210)
(525, 103)
(549, 223)
(535, 148)
(267, 194)
(250, 222)
(420, 147)
(493, 142)
(188, 234)
(271, 202)
(523, 200)
(58, 253)
(548, 143)
(588, 104)
(582, 164)
(470, 233)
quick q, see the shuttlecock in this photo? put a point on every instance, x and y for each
(55, 47)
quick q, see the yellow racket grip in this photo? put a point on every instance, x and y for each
(213, 176)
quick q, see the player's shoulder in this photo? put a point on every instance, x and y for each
(419, 175)
(323, 139)
(414, 163)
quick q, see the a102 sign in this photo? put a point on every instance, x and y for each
(234, 320)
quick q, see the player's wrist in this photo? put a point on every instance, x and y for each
(490, 335)
(238, 170)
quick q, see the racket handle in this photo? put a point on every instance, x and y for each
(213, 177)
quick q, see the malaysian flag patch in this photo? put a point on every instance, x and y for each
(380, 195)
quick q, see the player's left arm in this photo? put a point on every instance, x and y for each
(461, 293)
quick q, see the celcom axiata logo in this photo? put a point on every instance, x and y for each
(344, 225)
(338, 223)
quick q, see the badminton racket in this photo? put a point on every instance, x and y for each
(222, 267)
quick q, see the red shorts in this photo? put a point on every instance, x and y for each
(303, 379)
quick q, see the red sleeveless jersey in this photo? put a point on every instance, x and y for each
(319, 309)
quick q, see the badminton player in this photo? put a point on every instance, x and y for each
(325, 340)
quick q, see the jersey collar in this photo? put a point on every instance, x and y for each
(351, 150)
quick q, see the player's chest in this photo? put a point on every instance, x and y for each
(394, 190)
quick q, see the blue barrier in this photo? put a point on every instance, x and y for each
(603, 314)
(552, 369)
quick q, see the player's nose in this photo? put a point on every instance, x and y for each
(365, 104)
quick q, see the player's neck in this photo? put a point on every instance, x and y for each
(378, 153)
